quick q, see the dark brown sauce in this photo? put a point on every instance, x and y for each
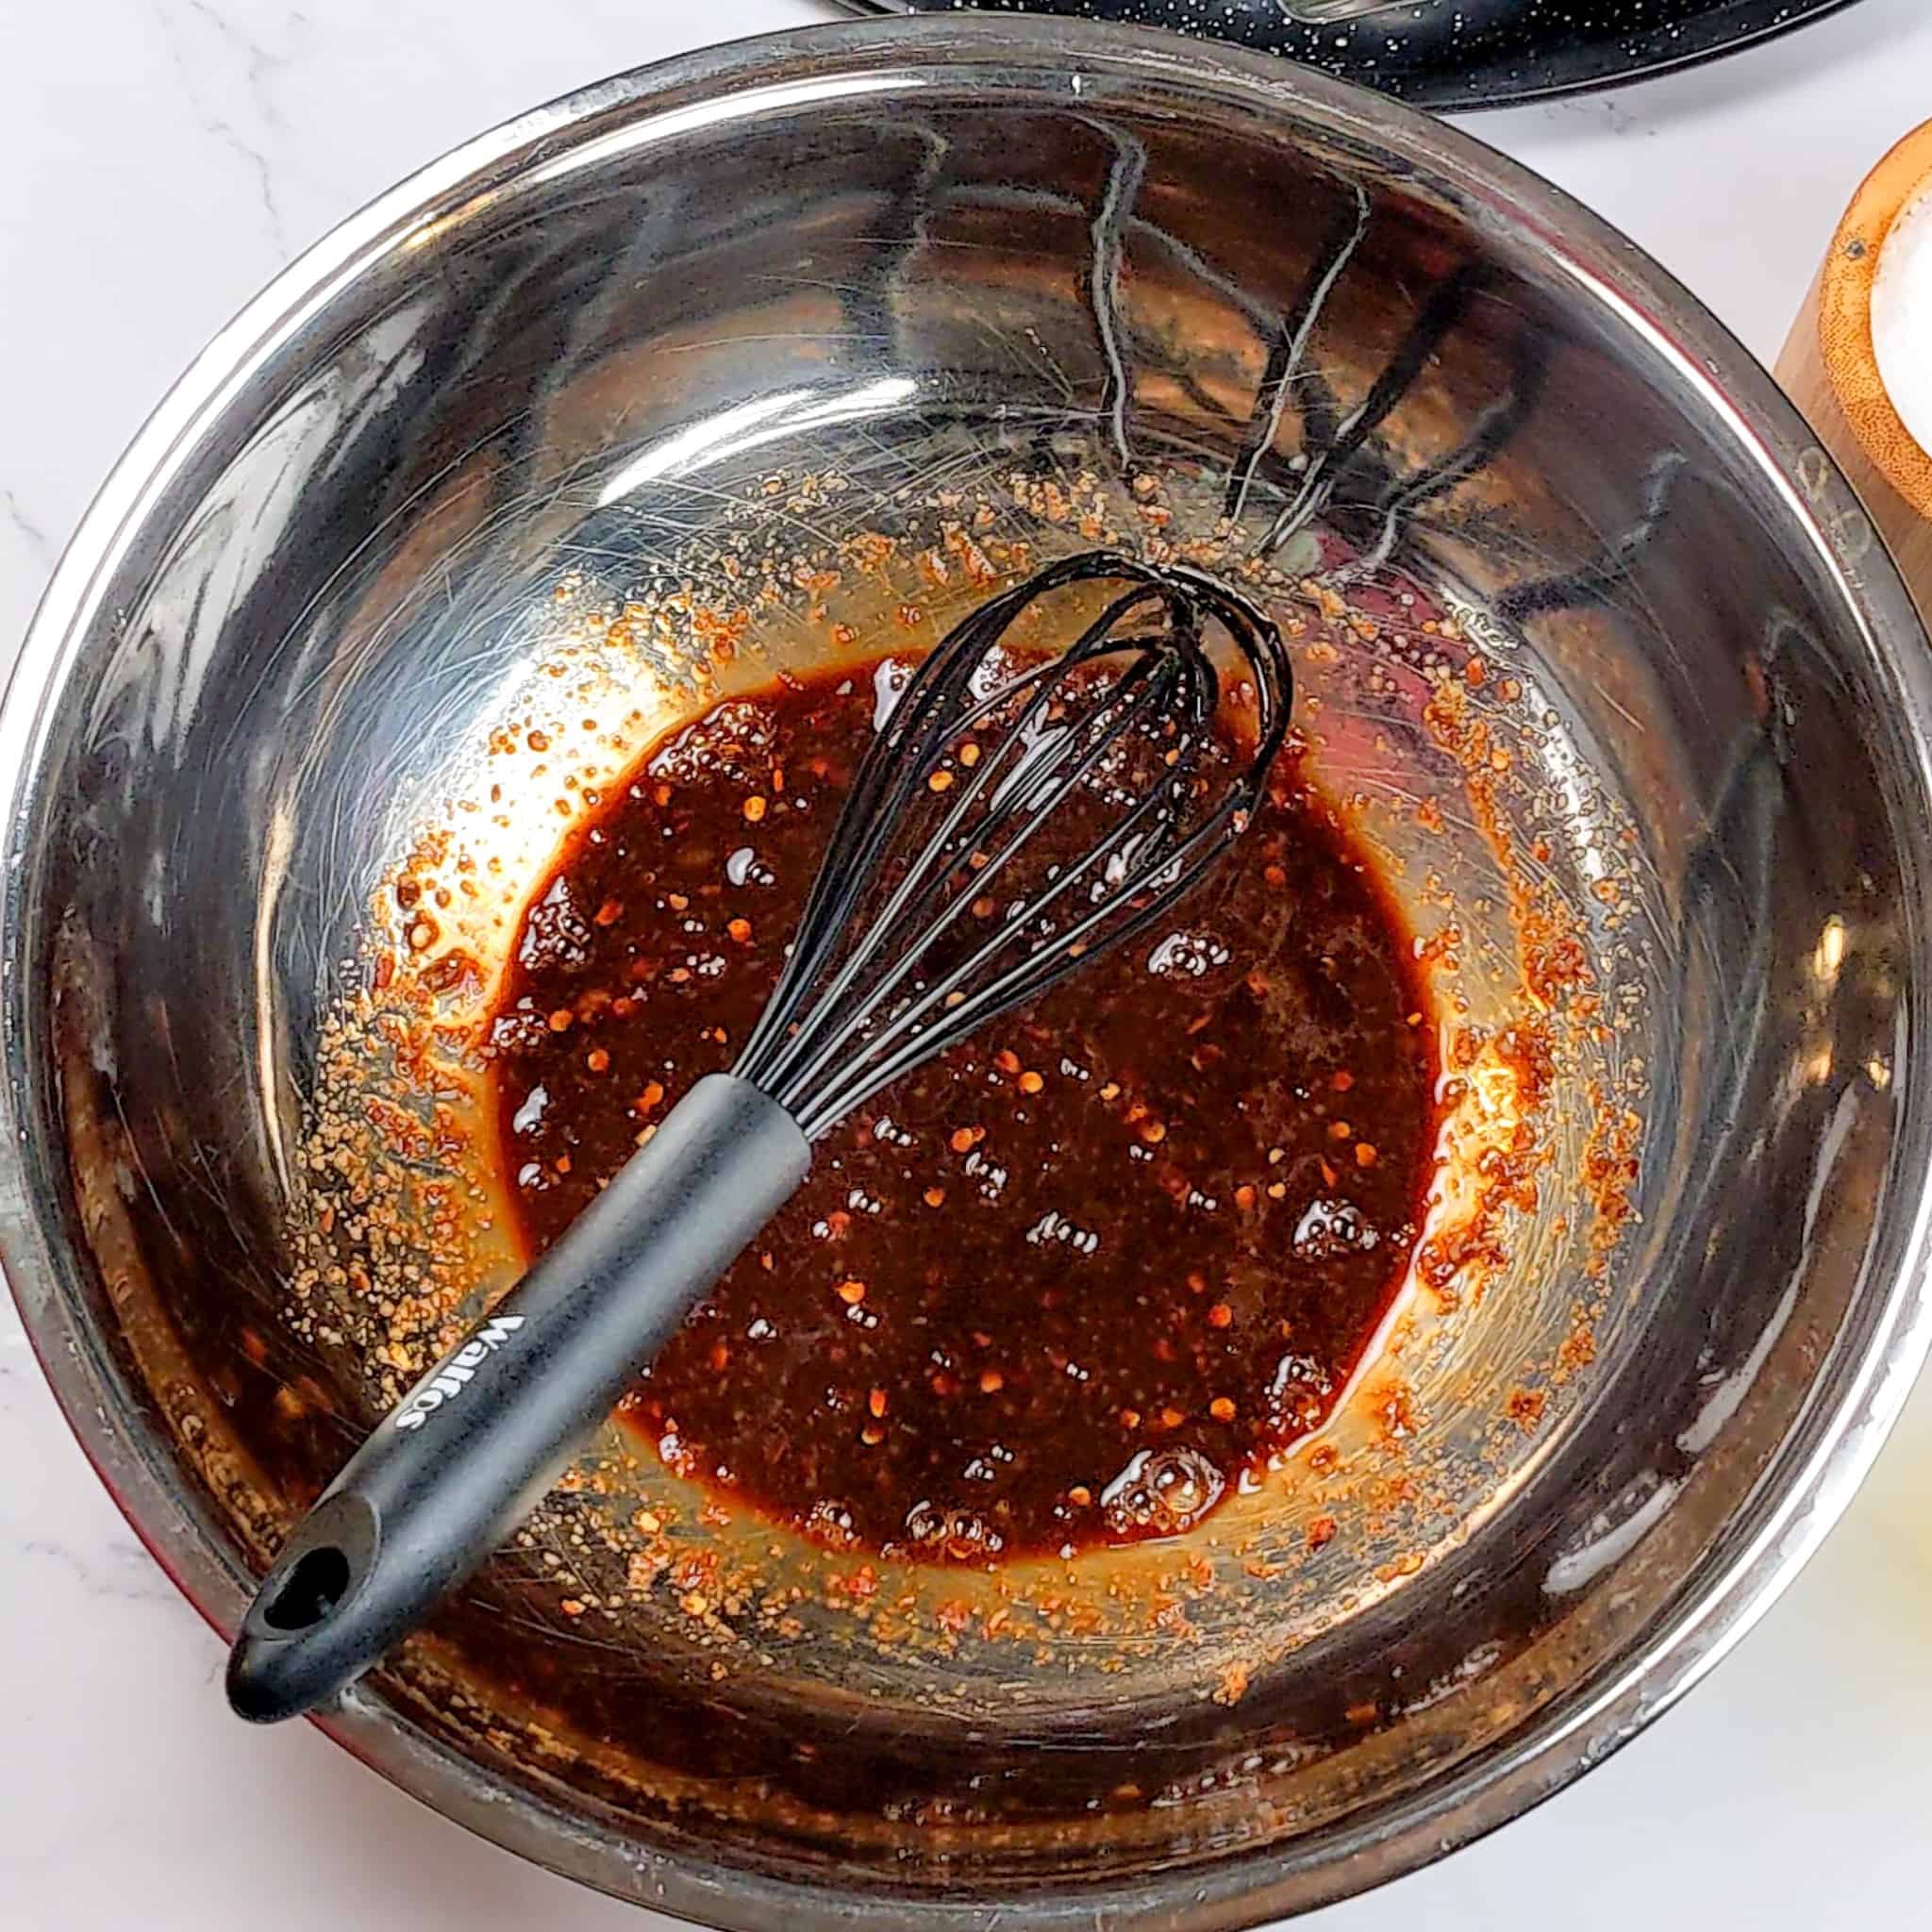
(1069, 1284)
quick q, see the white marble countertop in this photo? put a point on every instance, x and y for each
(164, 158)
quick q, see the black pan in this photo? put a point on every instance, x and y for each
(1449, 52)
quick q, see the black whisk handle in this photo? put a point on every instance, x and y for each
(474, 1447)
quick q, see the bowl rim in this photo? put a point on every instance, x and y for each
(701, 90)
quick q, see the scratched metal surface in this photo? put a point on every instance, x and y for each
(1447, 53)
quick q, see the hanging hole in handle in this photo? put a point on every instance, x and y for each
(313, 1587)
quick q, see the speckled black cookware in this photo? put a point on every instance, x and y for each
(1449, 52)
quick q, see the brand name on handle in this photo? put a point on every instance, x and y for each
(456, 1373)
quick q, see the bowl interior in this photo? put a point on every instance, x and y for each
(454, 538)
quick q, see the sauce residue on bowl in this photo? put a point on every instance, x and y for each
(1070, 1284)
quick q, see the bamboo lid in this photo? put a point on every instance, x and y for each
(1899, 188)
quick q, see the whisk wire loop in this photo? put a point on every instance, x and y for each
(885, 971)
(1142, 692)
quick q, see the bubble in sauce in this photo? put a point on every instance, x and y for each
(1161, 1492)
(961, 1534)
(1332, 1227)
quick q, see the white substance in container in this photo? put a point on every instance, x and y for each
(1901, 318)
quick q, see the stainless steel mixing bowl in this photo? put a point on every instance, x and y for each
(789, 291)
